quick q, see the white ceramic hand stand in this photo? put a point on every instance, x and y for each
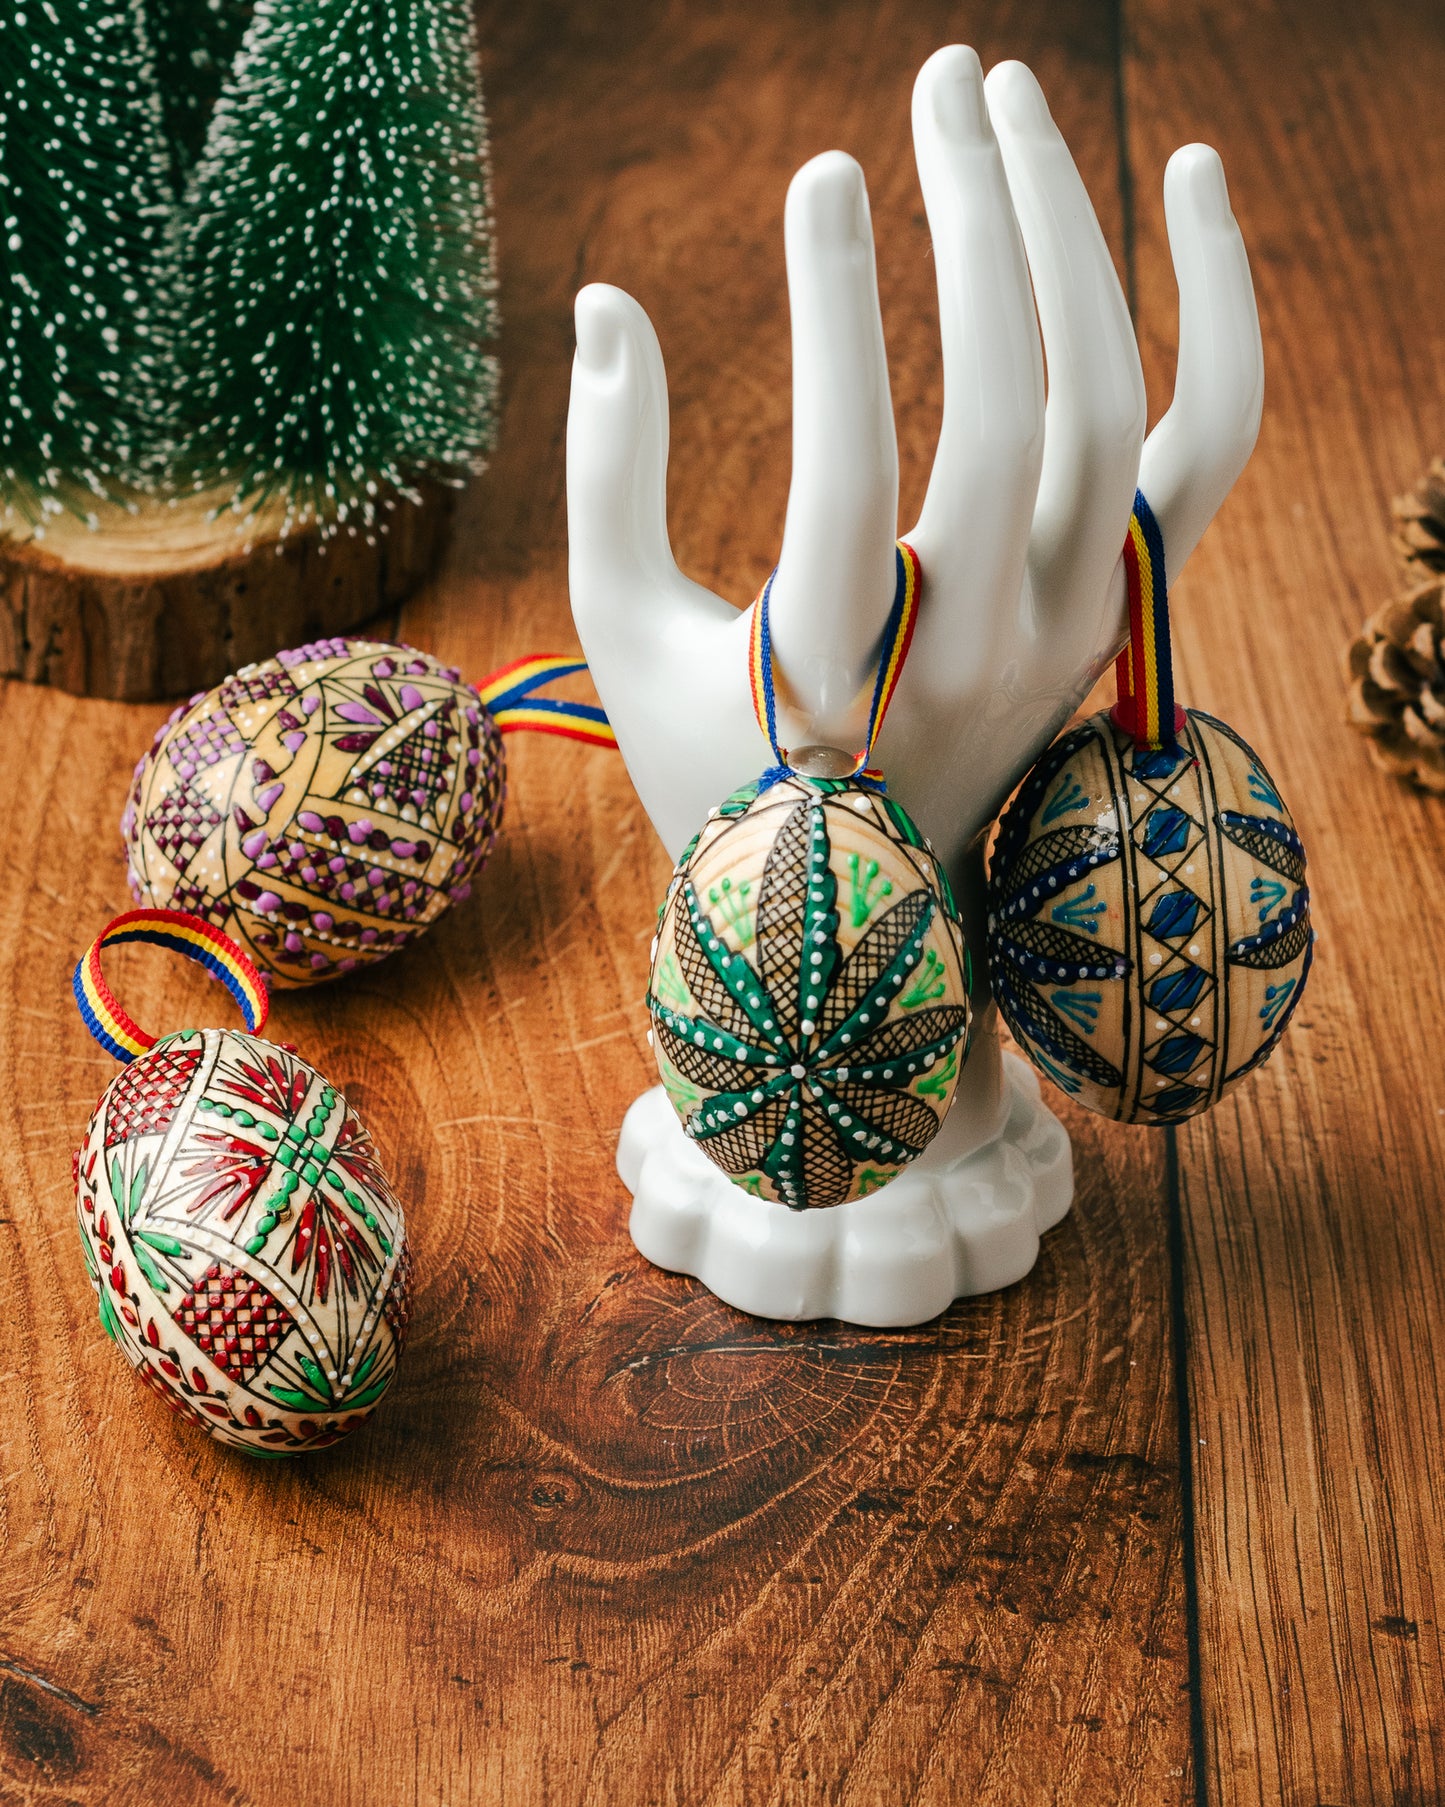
(1022, 606)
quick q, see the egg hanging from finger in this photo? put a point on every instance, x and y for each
(809, 990)
(1148, 917)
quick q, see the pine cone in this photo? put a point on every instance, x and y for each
(1420, 521)
(1396, 671)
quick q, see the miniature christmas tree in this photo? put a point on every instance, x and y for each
(280, 299)
(335, 244)
(194, 43)
(84, 197)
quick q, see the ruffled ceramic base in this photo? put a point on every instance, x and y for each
(940, 1232)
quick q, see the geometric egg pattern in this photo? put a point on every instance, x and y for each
(809, 991)
(248, 1252)
(1148, 920)
(322, 808)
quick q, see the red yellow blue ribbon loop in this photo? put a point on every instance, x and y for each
(1144, 670)
(508, 698)
(188, 935)
(892, 652)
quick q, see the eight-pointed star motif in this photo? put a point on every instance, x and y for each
(805, 1068)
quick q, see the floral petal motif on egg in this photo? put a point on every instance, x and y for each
(809, 993)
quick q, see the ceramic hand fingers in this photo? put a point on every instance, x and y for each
(973, 533)
(661, 649)
(835, 577)
(1198, 449)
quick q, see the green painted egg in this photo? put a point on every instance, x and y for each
(809, 991)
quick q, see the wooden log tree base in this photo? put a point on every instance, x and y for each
(169, 598)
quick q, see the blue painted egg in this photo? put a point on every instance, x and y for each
(1148, 920)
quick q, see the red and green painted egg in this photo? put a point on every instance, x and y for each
(245, 1243)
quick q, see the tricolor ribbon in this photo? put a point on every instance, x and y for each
(188, 935)
(892, 651)
(508, 698)
(1144, 671)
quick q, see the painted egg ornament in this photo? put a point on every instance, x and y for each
(327, 806)
(248, 1252)
(1148, 919)
(809, 991)
(809, 983)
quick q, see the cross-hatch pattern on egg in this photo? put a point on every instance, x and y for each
(246, 1248)
(809, 991)
(1149, 924)
(322, 808)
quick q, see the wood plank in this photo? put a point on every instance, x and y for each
(1315, 1272)
(608, 1540)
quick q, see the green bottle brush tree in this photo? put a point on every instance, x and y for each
(247, 282)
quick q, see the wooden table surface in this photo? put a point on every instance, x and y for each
(1163, 1523)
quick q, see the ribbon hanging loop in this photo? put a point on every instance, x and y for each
(892, 651)
(509, 697)
(1144, 671)
(116, 1032)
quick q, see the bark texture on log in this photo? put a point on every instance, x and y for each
(169, 599)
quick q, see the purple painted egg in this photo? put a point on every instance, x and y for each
(322, 808)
